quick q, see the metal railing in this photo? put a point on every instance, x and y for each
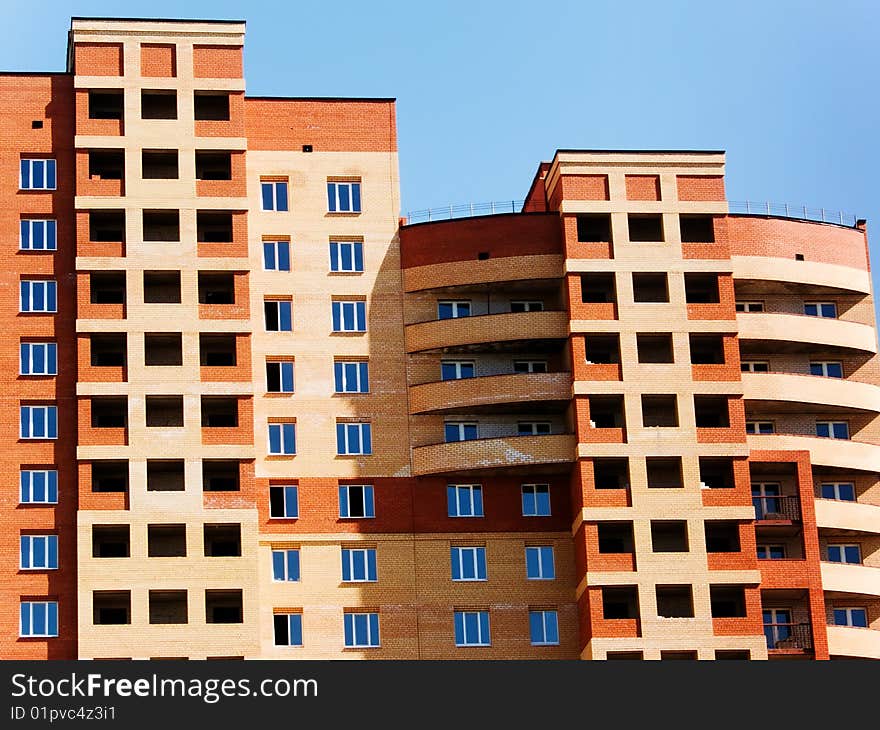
(466, 210)
(777, 508)
(789, 636)
(797, 212)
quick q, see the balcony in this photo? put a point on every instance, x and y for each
(807, 273)
(788, 638)
(486, 329)
(512, 452)
(847, 515)
(490, 393)
(809, 331)
(836, 453)
(793, 388)
(848, 641)
(845, 578)
(786, 509)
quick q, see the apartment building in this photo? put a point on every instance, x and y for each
(252, 413)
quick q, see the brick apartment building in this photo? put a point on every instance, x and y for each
(248, 413)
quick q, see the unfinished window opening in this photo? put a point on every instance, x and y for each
(213, 165)
(109, 411)
(168, 607)
(164, 411)
(213, 226)
(602, 349)
(211, 106)
(607, 411)
(620, 602)
(216, 287)
(611, 472)
(107, 287)
(111, 607)
(159, 165)
(106, 104)
(697, 228)
(675, 601)
(219, 475)
(598, 288)
(679, 655)
(733, 654)
(669, 536)
(107, 164)
(701, 288)
(716, 472)
(650, 287)
(161, 225)
(706, 349)
(647, 228)
(111, 541)
(166, 541)
(106, 226)
(163, 348)
(722, 536)
(109, 476)
(594, 228)
(664, 472)
(624, 656)
(165, 475)
(217, 350)
(158, 104)
(727, 601)
(223, 607)
(655, 348)
(107, 349)
(659, 411)
(223, 541)
(712, 411)
(162, 287)
(616, 537)
(219, 411)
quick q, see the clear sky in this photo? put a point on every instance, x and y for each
(486, 90)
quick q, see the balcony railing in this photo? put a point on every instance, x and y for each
(789, 636)
(797, 212)
(466, 210)
(777, 508)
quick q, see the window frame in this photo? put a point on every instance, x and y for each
(354, 196)
(27, 552)
(294, 629)
(280, 306)
(49, 296)
(357, 316)
(820, 309)
(754, 366)
(535, 487)
(831, 430)
(462, 428)
(521, 306)
(843, 547)
(368, 500)
(544, 613)
(536, 428)
(50, 422)
(458, 366)
(749, 305)
(474, 500)
(286, 431)
(49, 173)
(278, 202)
(350, 628)
(455, 305)
(282, 365)
(341, 373)
(50, 619)
(848, 612)
(26, 362)
(483, 624)
(364, 431)
(824, 366)
(285, 565)
(355, 256)
(768, 549)
(835, 488)
(50, 486)
(530, 366)
(276, 246)
(475, 562)
(288, 490)
(369, 563)
(545, 570)
(757, 425)
(49, 234)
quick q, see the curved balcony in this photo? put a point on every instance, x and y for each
(847, 515)
(491, 393)
(469, 273)
(806, 273)
(486, 329)
(861, 579)
(835, 453)
(497, 453)
(853, 642)
(795, 328)
(795, 388)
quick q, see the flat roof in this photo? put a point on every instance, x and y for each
(155, 20)
(373, 99)
(645, 152)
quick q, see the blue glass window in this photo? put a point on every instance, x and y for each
(472, 628)
(845, 554)
(468, 563)
(37, 175)
(285, 565)
(464, 500)
(843, 491)
(39, 422)
(38, 486)
(38, 296)
(274, 195)
(356, 500)
(276, 255)
(347, 256)
(282, 438)
(284, 501)
(39, 552)
(344, 197)
(536, 500)
(39, 618)
(288, 629)
(279, 316)
(544, 628)
(349, 315)
(358, 565)
(361, 630)
(460, 431)
(539, 563)
(279, 376)
(38, 235)
(354, 439)
(351, 376)
(38, 358)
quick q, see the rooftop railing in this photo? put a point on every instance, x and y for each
(467, 210)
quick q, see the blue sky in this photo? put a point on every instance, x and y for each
(487, 89)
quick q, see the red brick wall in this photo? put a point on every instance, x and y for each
(158, 60)
(218, 62)
(700, 187)
(98, 59)
(643, 187)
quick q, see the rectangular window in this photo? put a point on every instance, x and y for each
(455, 431)
(754, 366)
(38, 422)
(468, 563)
(530, 366)
(38, 486)
(832, 429)
(827, 369)
(356, 501)
(354, 439)
(38, 235)
(38, 358)
(456, 369)
(464, 500)
(273, 194)
(351, 376)
(344, 197)
(539, 563)
(38, 296)
(771, 552)
(359, 565)
(749, 306)
(472, 628)
(527, 306)
(349, 315)
(532, 428)
(37, 175)
(347, 256)
(279, 376)
(39, 618)
(827, 310)
(536, 500)
(284, 501)
(39, 552)
(285, 563)
(282, 438)
(276, 255)
(544, 628)
(856, 617)
(361, 630)
(279, 317)
(288, 629)
(841, 491)
(448, 309)
(851, 554)
(760, 427)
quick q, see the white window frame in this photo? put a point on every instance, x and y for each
(458, 364)
(282, 441)
(848, 610)
(537, 428)
(528, 305)
(533, 488)
(836, 488)
(819, 304)
(46, 435)
(288, 616)
(370, 644)
(471, 490)
(359, 316)
(48, 164)
(26, 296)
(544, 612)
(480, 640)
(749, 306)
(27, 548)
(754, 366)
(35, 634)
(531, 366)
(456, 305)
(767, 546)
(50, 364)
(359, 387)
(286, 515)
(348, 556)
(823, 365)
(831, 425)
(277, 197)
(366, 490)
(280, 364)
(287, 578)
(545, 572)
(49, 231)
(27, 489)
(468, 555)
(843, 546)
(461, 426)
(276, 244)
(347, 447)
(756, 428)
(336, 266)
(277, 303)
(350, 184)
